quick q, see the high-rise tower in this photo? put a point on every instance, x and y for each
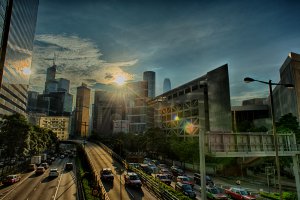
(167, 85)
(149, 76)
(17, 22)
(82, 111)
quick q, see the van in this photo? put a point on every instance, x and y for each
(31, 167)
(69, 166)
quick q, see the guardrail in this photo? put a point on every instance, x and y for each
(156, 187)
(100, 190)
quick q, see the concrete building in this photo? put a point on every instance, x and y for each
(82, 111)
(17, 29)
(108, 107)
(149, 76)
(288, 100)
(56, 99)
(120, 126)
(137, 108)
(201, 103)
(59, 125)
(167, 85)
(255, 111)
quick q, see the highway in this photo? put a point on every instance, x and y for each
(101, 159)
(36, 187)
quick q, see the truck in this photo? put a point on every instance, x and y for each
(36, 160)
(44, 157)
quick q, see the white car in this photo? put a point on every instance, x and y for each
(53, 172)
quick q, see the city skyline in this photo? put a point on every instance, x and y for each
(95, 41)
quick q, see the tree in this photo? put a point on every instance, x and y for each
(288, 123)
(15, 134)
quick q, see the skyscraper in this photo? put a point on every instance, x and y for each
(149, 76)
(82, 110)
(17, 28)
(167, 85)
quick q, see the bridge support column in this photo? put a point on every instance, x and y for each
(296, 173)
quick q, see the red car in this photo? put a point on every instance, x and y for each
(239, 194)
(185, 180)
(11, 179)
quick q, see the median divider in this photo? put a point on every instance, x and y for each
(155, 186)
(98, 189)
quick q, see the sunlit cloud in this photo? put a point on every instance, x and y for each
(77, 59)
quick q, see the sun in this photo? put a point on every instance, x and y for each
(27, 71)
(120, 80)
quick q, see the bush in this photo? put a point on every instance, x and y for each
(275, 196)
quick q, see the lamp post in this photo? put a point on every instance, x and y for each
(248, 80)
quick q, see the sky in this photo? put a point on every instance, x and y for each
(94, 41)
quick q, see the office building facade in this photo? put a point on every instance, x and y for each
(108, 107)
(59, 125)
(203, 103)
(287, 100)
(149, 76)
(82, 111)
(17, 29)
(137, 108)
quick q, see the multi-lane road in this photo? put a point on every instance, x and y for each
(101, 159)
(36, 187)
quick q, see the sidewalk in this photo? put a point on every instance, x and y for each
(287, 184)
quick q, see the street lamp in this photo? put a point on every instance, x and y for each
(248, 80)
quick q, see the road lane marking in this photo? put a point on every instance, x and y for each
(57, 186)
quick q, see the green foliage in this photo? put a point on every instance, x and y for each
(275, 196)
(288, 123)
(21, 138)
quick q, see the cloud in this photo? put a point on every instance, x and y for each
(77, 60)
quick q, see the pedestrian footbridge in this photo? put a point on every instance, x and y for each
(250, 144)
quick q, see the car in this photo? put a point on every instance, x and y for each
(39, 170)
(164, 178)
(197, 180)
(176, 171)
(132, 179)
(106, 175)
(215, 193)
(11, 179)
(31, 167)
(239, 193)
(69, 166)
(53, 172)
(45, 165)
(145, 168)
(162, 165)
(167, 172)
(186, 189)
(185, 180)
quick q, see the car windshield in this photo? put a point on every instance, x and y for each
(185, 178)
(244, 192)
(106, 172)
(134, 177)
(162, 177)
(187, 187)
(214, 191)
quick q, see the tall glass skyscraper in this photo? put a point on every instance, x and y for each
(17, 26)
(149, 76)
(167, 85)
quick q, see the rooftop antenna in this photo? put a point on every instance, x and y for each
(54, 57)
